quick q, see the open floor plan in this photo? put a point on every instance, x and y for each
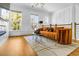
(39, 29)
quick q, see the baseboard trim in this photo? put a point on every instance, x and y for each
(21, 35)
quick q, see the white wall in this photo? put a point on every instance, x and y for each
(77, 20)
(64, 16)
(68, 15)
(26, 22)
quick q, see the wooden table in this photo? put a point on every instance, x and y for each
(65, 36)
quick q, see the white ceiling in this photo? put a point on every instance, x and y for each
(51, 7)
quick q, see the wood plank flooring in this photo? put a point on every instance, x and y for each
(76, 51)
(17, 46)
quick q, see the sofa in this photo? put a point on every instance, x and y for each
(51, 33)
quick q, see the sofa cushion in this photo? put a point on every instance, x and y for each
(50, 29)
(38, 30)
(56, 28)
(45, 29)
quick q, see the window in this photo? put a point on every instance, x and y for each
(5, 14)
(46, 20)
(14, 17)
(34, 19)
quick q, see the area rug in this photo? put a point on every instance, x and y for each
(46, 47)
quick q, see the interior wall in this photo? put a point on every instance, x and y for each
(68, 15)
(26, 27)
(64, 16)
(77, 20)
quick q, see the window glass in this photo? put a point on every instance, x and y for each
(34, 19)
(14, 17)
(5, 14)
(46, 20)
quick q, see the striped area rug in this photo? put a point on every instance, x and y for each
(47, 47)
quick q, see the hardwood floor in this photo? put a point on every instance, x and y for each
(17, 46)
(76, 51)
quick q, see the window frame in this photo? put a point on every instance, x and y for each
(9, 18)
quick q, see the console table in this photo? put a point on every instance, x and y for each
(65, 36)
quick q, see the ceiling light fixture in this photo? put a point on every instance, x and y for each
(38, 5)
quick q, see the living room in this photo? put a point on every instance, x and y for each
(46, 29)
